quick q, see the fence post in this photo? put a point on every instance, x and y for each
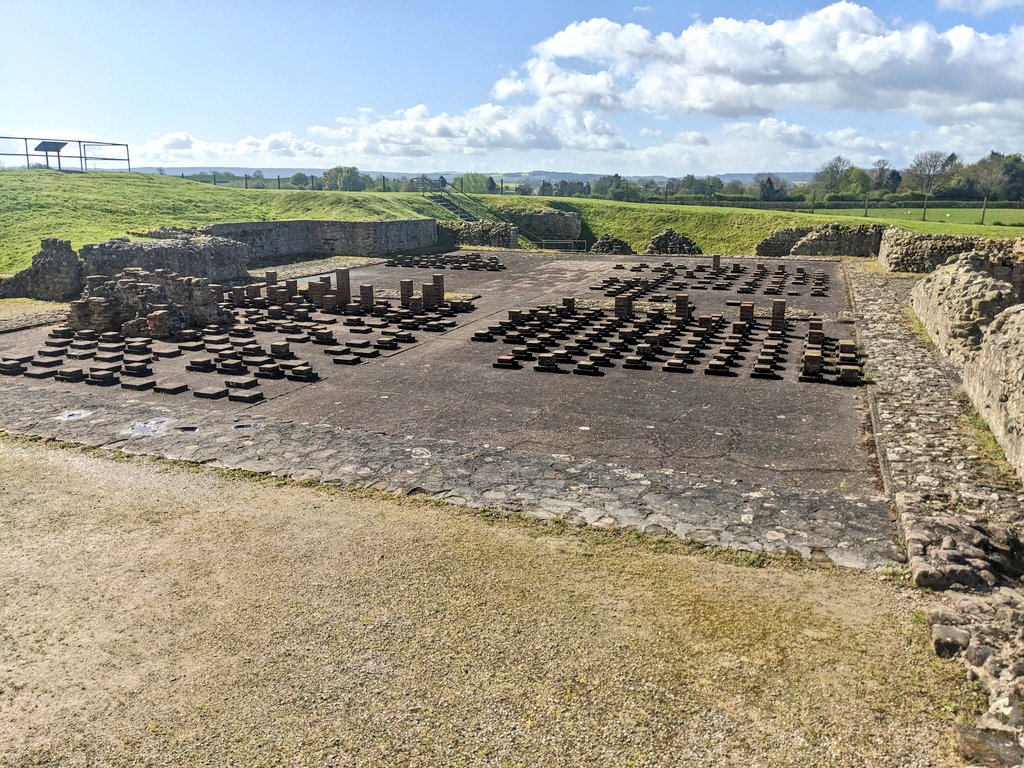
(214, 178)
(865, 205)
(279, 181)
(924, 208)
(245, 180)
(984, 207)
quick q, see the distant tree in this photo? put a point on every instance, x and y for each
(987, 175)
(257, 174)
(546, 189)
(492, 185)
(1013, 177)
(928, 170)
(856, 181)
(830, 175)
(524, 189)
(734, 187)
(161, 172)
(769, 187)
(612, 187)
(299, 180)
(258, 182)
(474, 183)
(330, 178)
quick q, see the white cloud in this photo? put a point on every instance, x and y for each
(583, 93)
(842, 56)
(980, 7)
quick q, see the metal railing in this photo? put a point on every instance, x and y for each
(471, 206)
(83, 157)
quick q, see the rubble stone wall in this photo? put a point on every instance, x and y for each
(780, 242)
(548, 224)
(216, 258)
(275, 239)
(823, 240)
(840, 240)
(973, 307)
(55, 274)
(903, 251)
(451, 233)
(158, 304)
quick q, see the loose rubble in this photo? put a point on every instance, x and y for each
(671, 242)
(608, 244)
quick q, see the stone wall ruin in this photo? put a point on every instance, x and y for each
(548, 224)
(494, 234)
(822, 240)
(903, 251)
(271, 240)
(973, 307)
(159, 304)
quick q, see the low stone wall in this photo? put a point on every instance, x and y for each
(995, 382)
(548, 224)
(903, 251)
(823, 240)
(55, 274)
(973, 307)
(215, 258)
(277, 239)
(780, 242)
(840, 240)
(58, 273)
(452, 233)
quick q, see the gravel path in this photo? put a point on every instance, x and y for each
(163, 616)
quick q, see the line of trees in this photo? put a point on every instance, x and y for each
(933, 174)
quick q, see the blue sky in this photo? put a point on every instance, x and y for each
(641, 87)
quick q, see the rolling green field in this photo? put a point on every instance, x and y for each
(92, 207)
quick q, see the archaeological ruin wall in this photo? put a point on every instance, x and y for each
(58, 273)
(903, 251)
(494, 234)
(973, 307)
(270, 240)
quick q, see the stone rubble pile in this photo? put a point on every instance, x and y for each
(613, 245)
(671, 242)
(157, 304)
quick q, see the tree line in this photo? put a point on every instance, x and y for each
(934, 174)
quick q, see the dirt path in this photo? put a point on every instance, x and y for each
(155, 615)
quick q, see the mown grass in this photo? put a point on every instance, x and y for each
(1003, 219)
(91, 207)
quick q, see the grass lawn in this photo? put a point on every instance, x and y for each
(160, 615)
(1010, 221)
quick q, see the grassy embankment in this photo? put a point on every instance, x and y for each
(738, 230)
(92, 207)
(88, 208)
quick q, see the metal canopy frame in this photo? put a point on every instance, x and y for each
(46, 147)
